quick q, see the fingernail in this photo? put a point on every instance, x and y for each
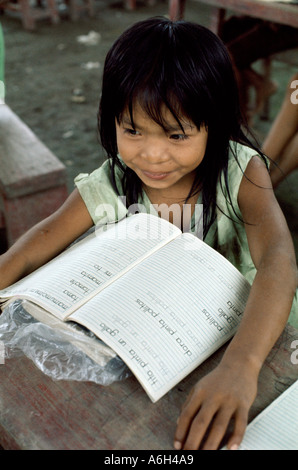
(177, 445)
(234, 447)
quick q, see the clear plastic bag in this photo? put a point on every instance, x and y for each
(60, 354)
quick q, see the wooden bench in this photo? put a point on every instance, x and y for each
(32, 179)
(75, 8)
(30, 14)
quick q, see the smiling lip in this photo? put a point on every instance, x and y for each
(155, 176)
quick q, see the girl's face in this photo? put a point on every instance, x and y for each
(162, 159)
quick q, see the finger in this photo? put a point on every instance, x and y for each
(241, 418)
(199, 426)
(218, 429)
(189, 398)
(188, 411)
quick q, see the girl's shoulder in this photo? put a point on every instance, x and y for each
(99, 195)
(241, 154)
(239, 157)
(101, 174)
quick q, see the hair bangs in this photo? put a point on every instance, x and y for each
(165, 75)
(155, 99)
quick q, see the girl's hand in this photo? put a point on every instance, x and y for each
(225, 393)
(229, 390)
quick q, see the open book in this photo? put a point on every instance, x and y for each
(162, 300)
(276, 428)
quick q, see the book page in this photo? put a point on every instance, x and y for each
(169, 313)
(68, 281)
(276, 428)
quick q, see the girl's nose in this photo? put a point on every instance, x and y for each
(154, 151)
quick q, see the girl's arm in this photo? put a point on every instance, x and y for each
(45, 240)
(230, 389)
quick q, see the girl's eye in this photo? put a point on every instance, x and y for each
(179, 137)
(131, 132)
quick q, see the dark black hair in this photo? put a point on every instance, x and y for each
(186, 67)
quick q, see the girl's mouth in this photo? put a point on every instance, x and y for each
(155, 176)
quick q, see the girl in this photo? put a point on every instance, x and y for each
(170, 124)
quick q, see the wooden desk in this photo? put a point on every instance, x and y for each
(283, 13)
(39, 413)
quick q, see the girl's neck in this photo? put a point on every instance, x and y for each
(173, 205)
(176, 194)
